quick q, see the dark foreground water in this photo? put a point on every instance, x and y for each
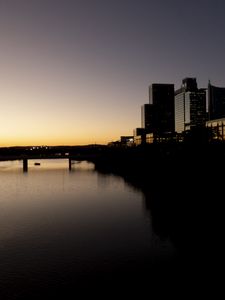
(64, 233)
(72, 234)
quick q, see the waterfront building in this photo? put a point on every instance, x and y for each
(147, 115)
(149, 138)
(216, 129)
(216, 102)
(161, 97)
(139, 131)
(139, 136)
(139, 139)
(127, 140)
(190, 106)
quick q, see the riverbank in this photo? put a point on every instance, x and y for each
(183, 192)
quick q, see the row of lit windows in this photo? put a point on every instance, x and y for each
(215, 123)
(218, 128)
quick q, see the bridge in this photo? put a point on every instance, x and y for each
(71, 158)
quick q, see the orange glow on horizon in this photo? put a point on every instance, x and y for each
(60, 141)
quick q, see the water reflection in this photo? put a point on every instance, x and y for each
(62, 230)
(189, 212)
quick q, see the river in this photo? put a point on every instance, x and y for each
(61, 230)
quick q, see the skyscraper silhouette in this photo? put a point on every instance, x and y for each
(161, 96)
(190, 106)
(216, 101)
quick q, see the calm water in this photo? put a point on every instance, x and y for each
(58, 228)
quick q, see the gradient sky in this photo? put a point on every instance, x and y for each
(77, 72)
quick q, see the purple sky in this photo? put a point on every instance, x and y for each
(77, 72)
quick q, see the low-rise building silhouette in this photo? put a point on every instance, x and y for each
(216, 129)
(139, 136)
(127, 140)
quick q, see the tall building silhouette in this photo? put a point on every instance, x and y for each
(190, 106)
(161, 97)
(147, 115)
(216, 109)
(216, 102)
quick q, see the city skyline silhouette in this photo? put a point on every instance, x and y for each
(112, 143)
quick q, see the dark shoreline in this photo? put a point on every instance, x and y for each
(182, 188)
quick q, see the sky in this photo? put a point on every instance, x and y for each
(75, 72)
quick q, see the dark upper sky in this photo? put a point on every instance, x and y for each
(85, 66)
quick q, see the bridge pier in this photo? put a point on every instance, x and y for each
(25, 165)
(70, 164)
